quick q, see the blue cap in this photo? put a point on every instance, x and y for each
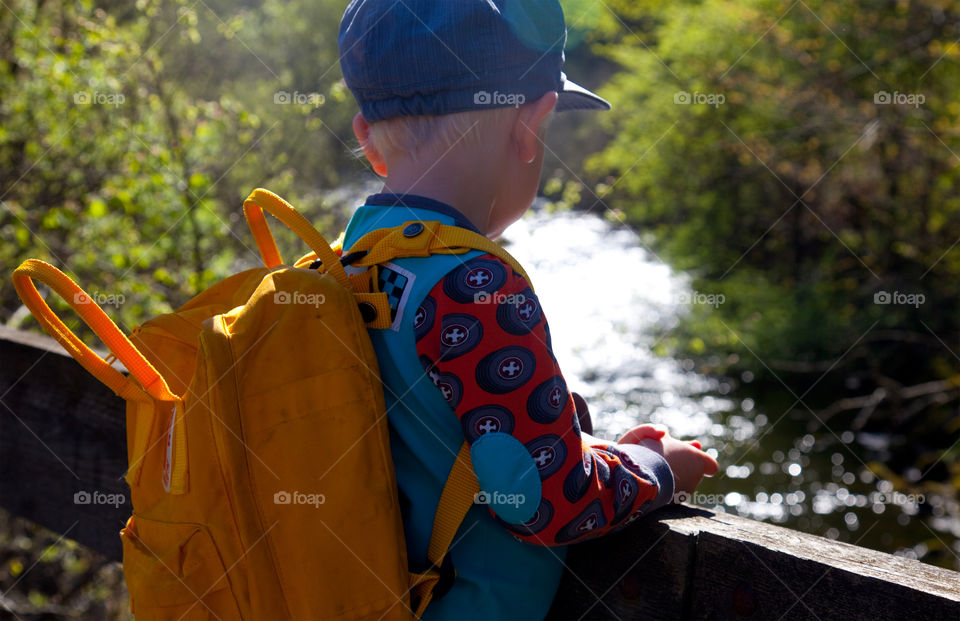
(432, 57)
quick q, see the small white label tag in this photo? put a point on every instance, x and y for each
(404, 297)
(168, 461)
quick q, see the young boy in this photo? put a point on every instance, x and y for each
(454, 97)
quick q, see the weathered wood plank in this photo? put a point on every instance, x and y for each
(61, 434)
(784, 574)
(640, 573)
(690, 563)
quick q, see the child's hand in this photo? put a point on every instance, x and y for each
(686, 459)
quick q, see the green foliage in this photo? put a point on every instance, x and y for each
(46, 576)
(130, 138)
(795, 195)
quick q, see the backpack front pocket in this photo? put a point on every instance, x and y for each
(173, 571)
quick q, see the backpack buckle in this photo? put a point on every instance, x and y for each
(431, 585)
(447, 576)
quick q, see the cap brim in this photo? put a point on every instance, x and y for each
(572, 96)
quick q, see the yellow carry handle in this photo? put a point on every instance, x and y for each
(116, 341)
(261, 200)
(148, 379)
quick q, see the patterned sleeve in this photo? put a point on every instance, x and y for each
(484, 341)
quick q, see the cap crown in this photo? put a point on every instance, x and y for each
(417, 57)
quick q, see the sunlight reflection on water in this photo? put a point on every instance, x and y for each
(603, 294)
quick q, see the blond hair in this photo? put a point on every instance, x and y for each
(430, 136)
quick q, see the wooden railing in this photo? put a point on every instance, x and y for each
(62, 436)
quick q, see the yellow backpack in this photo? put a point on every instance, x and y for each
(259, 461)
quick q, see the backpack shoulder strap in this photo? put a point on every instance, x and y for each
(418, 238)
(458, 496)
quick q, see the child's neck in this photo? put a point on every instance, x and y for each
(472, 193)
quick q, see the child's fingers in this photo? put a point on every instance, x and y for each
(643, 432)
(712, 467)
(654, 445)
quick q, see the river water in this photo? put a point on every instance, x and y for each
(606, 297)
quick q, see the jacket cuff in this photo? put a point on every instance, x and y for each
(651, 466)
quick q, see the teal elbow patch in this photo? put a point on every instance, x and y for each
(508, 477)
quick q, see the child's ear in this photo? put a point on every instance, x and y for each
(529, 121)
(361, 129)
